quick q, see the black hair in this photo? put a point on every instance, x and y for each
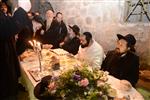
(88, 36)
(39, 19)
(5, 4)
(32, 13)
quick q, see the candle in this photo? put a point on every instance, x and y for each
(39, 45)
(37, 48)
(34, 43)
(31, 43)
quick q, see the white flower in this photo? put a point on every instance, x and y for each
(100, 83)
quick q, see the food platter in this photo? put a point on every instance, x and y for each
(52, 62)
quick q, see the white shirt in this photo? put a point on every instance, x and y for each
(92, 55)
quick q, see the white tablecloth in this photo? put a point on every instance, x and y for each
(27, 80)
(30, 83)
(133, 94)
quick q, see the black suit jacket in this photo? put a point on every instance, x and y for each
(55, 34)
(26, 30)
(126, 67)
(72, 46)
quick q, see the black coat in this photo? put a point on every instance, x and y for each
(55, 34)
(9, 64)
(126, 67)
(72, 46)
(26, 33)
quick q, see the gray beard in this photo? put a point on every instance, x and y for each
(48, 23)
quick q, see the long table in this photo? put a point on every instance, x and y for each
(29, 82)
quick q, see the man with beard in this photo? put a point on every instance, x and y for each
(47, 36)
(122, 62)
(90, 51)
(62, 29)
(55, 31)
(29, 29)
(49, 16)
(71, 43)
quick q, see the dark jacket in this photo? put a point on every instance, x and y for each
(55, 34)
(126, 67)
(72, 46)
(26, 32)
(5, 30)
(9, 64)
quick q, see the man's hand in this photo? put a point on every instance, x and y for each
(61, 44)
(47, 46)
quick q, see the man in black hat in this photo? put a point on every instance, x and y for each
(29, 28)
(73, 42)
(122, 62)
(38, 24)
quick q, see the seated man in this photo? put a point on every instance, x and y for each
(90, 51)
(61, 27)
(122, 62)
(49, 36)
(56, 29)
(71, 43)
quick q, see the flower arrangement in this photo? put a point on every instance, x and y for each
(80, 84)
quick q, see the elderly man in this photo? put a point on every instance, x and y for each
(122, 62)
(49, 36)
(90, 51)
(56, 30)
(28, 31)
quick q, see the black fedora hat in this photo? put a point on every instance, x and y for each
(129, 38)
(39, 19)
(75, 28)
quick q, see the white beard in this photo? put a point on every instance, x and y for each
(48, 23)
